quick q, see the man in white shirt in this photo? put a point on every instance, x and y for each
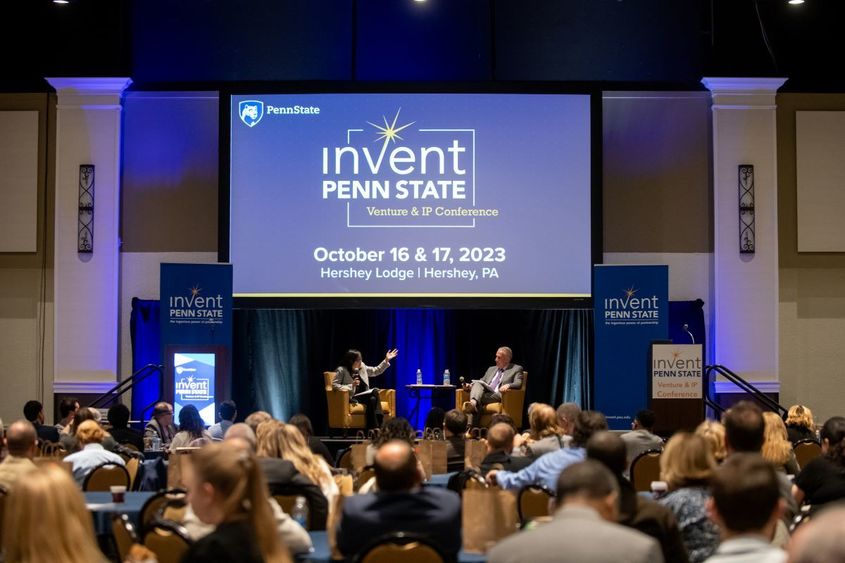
(228, 411)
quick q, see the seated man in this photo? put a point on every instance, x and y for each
(119, 419)
(454, 428)
(20, 441)
(227, 411)
(642, 438)
(401, 505)
(161, 425)
(499, 448)
(92, 454)
(499, 379)
(34, 412)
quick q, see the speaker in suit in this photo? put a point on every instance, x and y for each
(503, 376)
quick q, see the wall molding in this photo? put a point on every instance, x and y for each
(82, 387)
(727, 387)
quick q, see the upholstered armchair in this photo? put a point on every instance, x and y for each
(344, 414)
(512, 403)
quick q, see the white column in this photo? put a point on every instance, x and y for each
(88, 131)
(745, 324)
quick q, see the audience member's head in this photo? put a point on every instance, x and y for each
(284, 441)
(228, 410)
(226, 484)
(744, 428)
(821, 539)
(46, 520)
(118, 416)
(302, 422)
(67, 408)
(455, 423)
(644, 420)
(500, 438)
(587, 423)
(256, 418)
(609, 449)
(589, 483)
(21, 439)
(90, 432)
(832, 436)
(502, 417)
(83, 414)
(745, 496)
(395, 429)
(33, 411)
(714, 434)
(241, 431)
(542, 421)
(163, 413)
(799, 415)
(777, 449)
(191, 422)
(566, 415)
(686, 461)
(434, 421)
(396, 467)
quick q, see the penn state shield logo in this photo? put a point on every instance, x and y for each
(251, 112)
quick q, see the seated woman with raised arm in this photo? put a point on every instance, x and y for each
(354, 375)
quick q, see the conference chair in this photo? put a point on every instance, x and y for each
(168, 540)
(401, 546)
(132, 465)
(365, 475)
(511, 405)
(154, 505)
(51, 449)
(124, 534)
(644, 469)
(104, 476)
(345, 460)
(533, 502)
(806, 451)
(344, 414)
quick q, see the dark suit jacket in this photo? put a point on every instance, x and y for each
(501, 460)
(318, 447)
(512, 376)
(283, 479)
(455, 451)
(430, 511)
(652, 519)
(128, 436)
(46, 433)
(230, 541)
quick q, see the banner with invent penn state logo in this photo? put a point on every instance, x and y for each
(631, 305)
(196, 334)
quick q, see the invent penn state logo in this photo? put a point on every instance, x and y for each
(251, 112)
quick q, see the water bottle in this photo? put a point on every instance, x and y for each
(300, 512)
(419, 377)
(447, 377)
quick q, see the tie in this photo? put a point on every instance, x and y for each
(496, 378)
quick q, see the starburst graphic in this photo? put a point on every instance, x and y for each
(196, 290)
(676, 355)
(190, 379)
(390, 132)
(630, 292)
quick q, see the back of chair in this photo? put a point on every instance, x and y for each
(52, 449)
(156, 503)
(644, 469)
(365, 475)
(168, 540)
(399, 546)
(533, 502)
(103, 477)
(287, 502)
(124, 534)
(806, 451)
(3, 493)
(345, 460)
(132, 468)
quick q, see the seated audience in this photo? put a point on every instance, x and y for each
(118, 417)
(92, 454)
(566, 415)
(646, 516)
(256, 418)
(800, 424)
(303, 423)
(583, 529)
(500, 440)
(227, 411)
(401, 505)
(687, 466)
(454, 429)
(746, 506)
(192, 430)
(33, 411)
(821, 539)
(545, 470)
(433, 426)
(67, 408)
(642, 438)
(21, 444)
(777, 449)
(161, 425)
(544, 434)
(227, 490)
(46, 521)
(242, 431)
(714, 434)
(71, 444)
(823, 480)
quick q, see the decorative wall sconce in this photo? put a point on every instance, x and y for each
(85, 238)
(747, 238)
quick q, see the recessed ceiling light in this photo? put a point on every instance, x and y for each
(795, 2)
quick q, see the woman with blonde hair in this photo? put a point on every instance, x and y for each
(800, 424)
(544, 434)
(777, 449)
(47, 521)
(226, 488)
(687, 465)
(713, 433)
(90, 435)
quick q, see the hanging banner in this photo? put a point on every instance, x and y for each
(631, 305)
(196, 335)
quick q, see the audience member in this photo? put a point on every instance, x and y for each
(317, 446)
(546, 469)
(70, 442)
(67, 408)
(646, 516)
(227, 411)
(583, 529)
(192, 430)
(401, 505)
(687, 466)
(642, 438)
(454, 428)
(227, 490)
(242, 431)
(746, 506)
(92, 454)
(800, 424)
(397, 428)
(823, 480)
(544, 434)
(46, 521)
(118, 417)
(433, 426)
(714, 434)
(498, 417)
(161, 425)
(33, 411)
(499, 378)
(777, 449)
(21, 444)
(821, 539)
(256, 418)
(500, 440)
(566, 415)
